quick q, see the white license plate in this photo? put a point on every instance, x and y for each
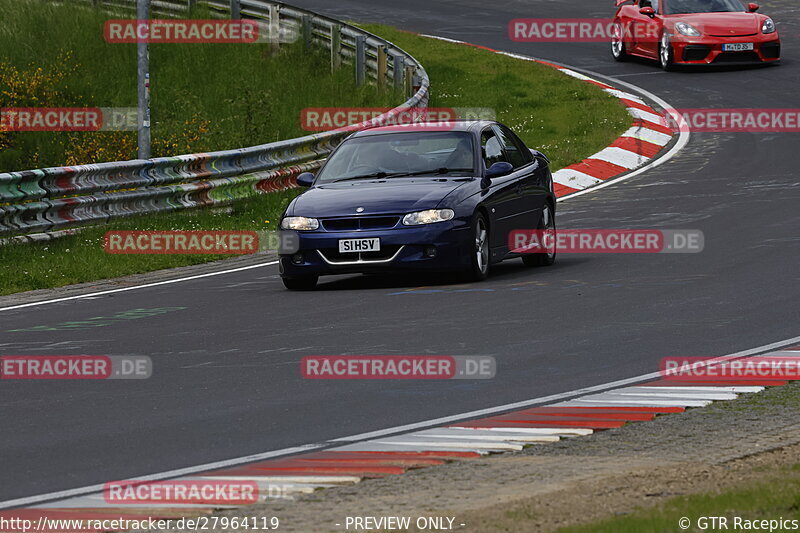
(347, 246)
(737, 47)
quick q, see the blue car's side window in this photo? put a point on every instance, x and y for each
(491, 149)
(516, 152)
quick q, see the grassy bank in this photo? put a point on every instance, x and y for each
(776, 497)
(566, 118)
(204, 96)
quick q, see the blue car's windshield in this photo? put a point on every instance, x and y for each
(399, 154)
(677, 7)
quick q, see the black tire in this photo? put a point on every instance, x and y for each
(618, 49)
(479, 251)
(666, 54)
(546, 222)
(306, 283)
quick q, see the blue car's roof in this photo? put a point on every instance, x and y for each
(456, 125)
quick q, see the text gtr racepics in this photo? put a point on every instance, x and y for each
(694, 32)
(435, 197)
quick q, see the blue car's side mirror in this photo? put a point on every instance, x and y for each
(305, 179)
(501, 168)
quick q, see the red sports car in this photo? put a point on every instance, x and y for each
(694, 32)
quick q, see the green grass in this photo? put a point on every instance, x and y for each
(81, 257)
(205, 96)
(565, 118)
(252, 97)
(775, 499)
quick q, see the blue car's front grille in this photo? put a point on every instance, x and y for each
(358, 223)
(332, 255)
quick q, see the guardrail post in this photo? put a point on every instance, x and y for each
(275, 27)
(409, 80)
(143, 85)
(236, 9)
(382, 59)
(336, 47)
(307, 33)
(361, 59)
(398, 64)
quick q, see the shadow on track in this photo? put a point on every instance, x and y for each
(512, 269)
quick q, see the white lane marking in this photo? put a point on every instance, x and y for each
(310, 479)
(782, 353)
(451, 444)
(645, 134)
(372, 446)
(578, 75)
(262, 481)
(627, 96)
(136, 287)
(678, 395)
(574, 178)
(620, 157)
(426, 424)
(562, 432)
(98, 502)
(635, 402)
(485, 435)
(735, 388)
(641, 114)
(456, 41)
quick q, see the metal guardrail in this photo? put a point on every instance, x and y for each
(61, 197)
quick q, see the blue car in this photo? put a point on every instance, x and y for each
(432, 197)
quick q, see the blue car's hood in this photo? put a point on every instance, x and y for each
(395, 195)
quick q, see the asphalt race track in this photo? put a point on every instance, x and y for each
(226, 379)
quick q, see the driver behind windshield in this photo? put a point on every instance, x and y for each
(461, 158)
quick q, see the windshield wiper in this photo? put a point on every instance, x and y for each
(382, 174)
(435, 171)
(379, 175)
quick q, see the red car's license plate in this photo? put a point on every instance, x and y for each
(737, 47)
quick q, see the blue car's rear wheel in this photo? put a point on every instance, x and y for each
(479, 249)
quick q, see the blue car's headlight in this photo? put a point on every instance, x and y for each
(300, 223)
(768, 26)
(428, 216)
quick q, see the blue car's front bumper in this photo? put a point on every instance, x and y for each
(402, 248)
